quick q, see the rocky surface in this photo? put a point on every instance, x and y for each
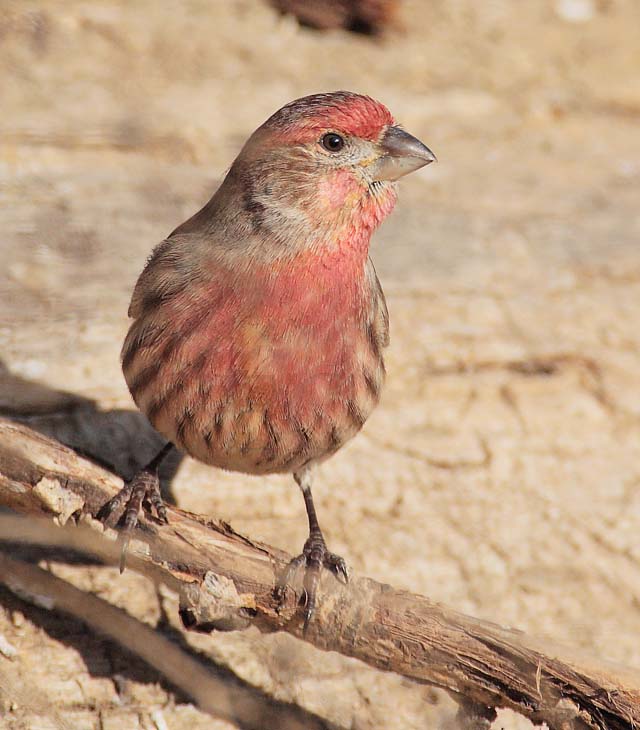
(500, 474)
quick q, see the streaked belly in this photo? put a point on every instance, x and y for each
(258, 401)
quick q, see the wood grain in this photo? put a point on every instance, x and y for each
(225, 581)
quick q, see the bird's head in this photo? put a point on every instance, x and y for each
(344, 131)
(325, 164)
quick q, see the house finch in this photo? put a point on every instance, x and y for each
(259, 323)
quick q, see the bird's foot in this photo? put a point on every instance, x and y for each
(315, 556)
(141, 492)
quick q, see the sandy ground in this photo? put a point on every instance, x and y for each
(500, 473)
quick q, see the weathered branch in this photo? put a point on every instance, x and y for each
(231, 700)
(226, 581)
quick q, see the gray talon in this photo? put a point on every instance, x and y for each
(315, 556)
(142, 493)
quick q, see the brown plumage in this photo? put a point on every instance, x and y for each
(259, 323)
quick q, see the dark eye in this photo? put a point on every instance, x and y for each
(332, 142)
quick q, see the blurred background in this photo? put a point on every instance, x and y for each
(501, 473)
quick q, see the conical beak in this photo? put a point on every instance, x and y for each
(400, 154)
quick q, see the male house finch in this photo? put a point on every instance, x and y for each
(259, 323)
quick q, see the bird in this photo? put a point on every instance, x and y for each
(259, 324)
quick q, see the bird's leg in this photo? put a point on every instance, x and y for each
(140, 492)
(314, 556)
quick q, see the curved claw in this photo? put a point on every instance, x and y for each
(310, 609)
(123, 552)
(140, 493)
(114, 505)
(315, 557)
(311, 582)
(339, 568)
(286, 577)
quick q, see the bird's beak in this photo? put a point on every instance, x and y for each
(400, 154)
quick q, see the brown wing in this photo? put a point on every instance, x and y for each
(174, 264)
(379, 323)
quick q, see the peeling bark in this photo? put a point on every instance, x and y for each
(226, 581)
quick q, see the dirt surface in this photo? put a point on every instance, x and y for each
(501, 472)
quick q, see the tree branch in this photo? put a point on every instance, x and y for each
(226, 581)
(234, 701)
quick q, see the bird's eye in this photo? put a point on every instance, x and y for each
(332, 142)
